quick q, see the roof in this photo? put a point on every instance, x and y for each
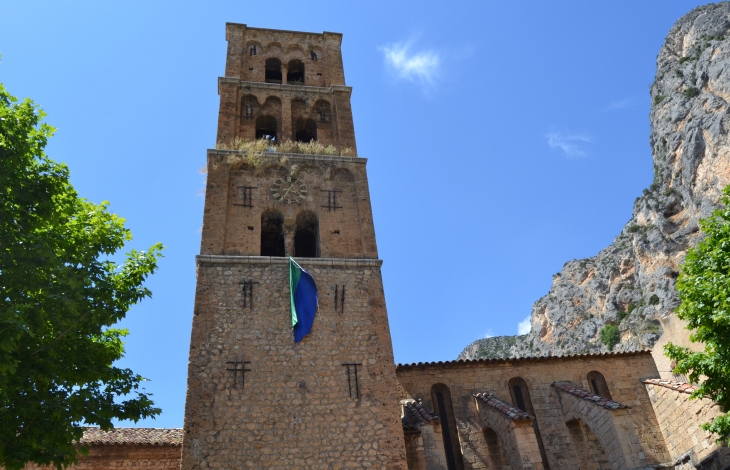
(524, 358)
(678, 386)
(415, 414)
(515, 414)
(586, 395)
(127, 436)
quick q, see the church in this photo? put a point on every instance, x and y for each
(256, 399)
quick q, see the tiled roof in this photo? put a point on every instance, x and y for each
(121, 436)
(586, 395)
(512, 413)
(414, 414)
(678, 386)
(523, 358)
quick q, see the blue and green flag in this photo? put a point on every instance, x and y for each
(303, 300)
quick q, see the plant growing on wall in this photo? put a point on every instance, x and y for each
(59, 299)
(610, 336)
(704, 290)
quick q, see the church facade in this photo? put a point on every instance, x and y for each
(336, 400)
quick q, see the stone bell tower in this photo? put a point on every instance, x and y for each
(255, 399)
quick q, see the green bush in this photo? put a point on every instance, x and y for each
(691, 92)
(654, 299)
(658, 99)
(610, 336)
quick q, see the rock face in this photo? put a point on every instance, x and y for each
(631, 283)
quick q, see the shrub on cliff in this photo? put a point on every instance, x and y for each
(610, 336)
(59, 298)
(704, 289)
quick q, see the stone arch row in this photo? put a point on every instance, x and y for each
(511, 432)
(275, 47)
(265, 120)
(306, 234)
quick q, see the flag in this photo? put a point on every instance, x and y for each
(304, 300)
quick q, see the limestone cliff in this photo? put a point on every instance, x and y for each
(631, 283)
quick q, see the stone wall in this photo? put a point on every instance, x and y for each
(623, 374)
(126, 457)
(299, 408)
(680, 419)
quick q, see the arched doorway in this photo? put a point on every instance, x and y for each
(305, 130)
(266, 128)
(273, 71)
(295, 72)
(588, 449)
(272, 233)
(306, 237)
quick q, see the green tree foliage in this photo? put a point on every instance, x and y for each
(610, 336)
(704, 289)
(59, 297)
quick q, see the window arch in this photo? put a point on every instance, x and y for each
(441, 397)
(273, 70)
(305, 130)
(306, 237)
(295, 72)
(521, 399)
(266, 128)
(272, 233)
(598, 384)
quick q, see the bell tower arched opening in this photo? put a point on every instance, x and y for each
(272, 72)
(305, 130)
(272, 233)
(295, 72)
(306, 237)
(266, 128)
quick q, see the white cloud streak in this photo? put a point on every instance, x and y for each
(417, 67)
(571, 145)
(524, 326)
(621, 104)
(489, 334)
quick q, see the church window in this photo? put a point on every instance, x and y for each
(273, 71)
(521, 399)
(272, 233)
(295, 72)
(266, 128)
(305, 130)
(598, 384)
(252, 50)
(306, 237)
(441, 396)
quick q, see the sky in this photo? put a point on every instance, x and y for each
(503, 139)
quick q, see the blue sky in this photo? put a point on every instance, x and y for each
(503, 138)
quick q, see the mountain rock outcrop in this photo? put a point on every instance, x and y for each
(631, 283)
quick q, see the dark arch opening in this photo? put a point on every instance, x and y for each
(305, 130)
(306, 237)
(496, 454)
(266, 128)
(273, 71)
(272, 233)
(521, 399)
(295, 72)
(441, 397)
(588, 450)
(598, 384)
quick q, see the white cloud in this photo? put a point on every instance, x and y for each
(489, 334)
(625, 103)
(524, 326)
(417, 67)
(572, 145)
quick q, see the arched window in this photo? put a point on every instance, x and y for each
(266, 128)
(306, 237)
(273, 71)
(305, 130)
(521, 399)
(441, 397)
(272, 233)
(295, 72)
(598, 384)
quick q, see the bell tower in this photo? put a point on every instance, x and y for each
(255, 398)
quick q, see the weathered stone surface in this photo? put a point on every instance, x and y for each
(636, 274)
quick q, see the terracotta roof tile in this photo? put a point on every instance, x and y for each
(589, 396)
(415, 414)
(523, 358)
(678, 386)
(515, 414)
(122, 436)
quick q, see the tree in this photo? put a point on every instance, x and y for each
(704, 290)
(610, 336)
(59, 297)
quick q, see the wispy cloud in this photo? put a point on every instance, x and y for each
(524, 326)
(489, 334)
(420, 68)
(620, 104)
(572, 145)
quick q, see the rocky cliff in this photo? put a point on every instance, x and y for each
(631, 283)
